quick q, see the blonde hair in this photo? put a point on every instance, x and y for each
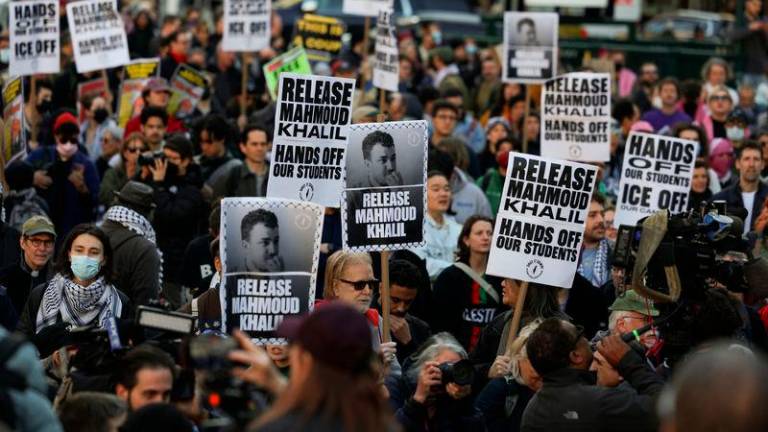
(335, 266)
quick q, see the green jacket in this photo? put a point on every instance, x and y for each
(114, 180)
(492, 184)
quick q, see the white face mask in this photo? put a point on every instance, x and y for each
(734, 133)
(657, 102)
(5, 55)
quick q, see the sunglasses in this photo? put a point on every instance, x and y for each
(70, 139)
(133, 149)
(720, 98)
(373, 284)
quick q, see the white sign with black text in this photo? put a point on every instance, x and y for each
(98, 35)
(386, 63)
(246, 25)
(530, 46)
(34, 37)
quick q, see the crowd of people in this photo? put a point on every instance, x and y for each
(100, 220)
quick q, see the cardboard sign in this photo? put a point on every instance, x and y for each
(34, 37)
(369, 8)
(385, 194)
(310, 141)
(246, 25)
(294, 61)
(576, 117)
(269, 254)
(386, 64)
(14, 140)
(530, 46)
(135, 77)
(319, 35)
(98, 35)
(187, 88)
(656, 175)
(540, 225)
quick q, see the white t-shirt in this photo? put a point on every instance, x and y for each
(749, 202)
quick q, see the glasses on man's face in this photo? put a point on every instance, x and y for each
(719, 98)
(360, 285)
(38, 242)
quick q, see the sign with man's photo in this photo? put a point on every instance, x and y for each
(269, 254)
(385, 195)
(530, 46)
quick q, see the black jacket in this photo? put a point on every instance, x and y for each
(28, 319)
(19, 282)
(570, 401)
(732, 196)
(420, 332)
(178, 215)
(10, 250)
(136, 263)
(587, 306)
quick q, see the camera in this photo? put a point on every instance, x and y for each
(149, 158)
(461, 372)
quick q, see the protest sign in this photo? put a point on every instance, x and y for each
(13, 115)
(540, 225)
(386, 64)
(135, 77)
(576, 117)
(385, 196)
(369, 8)
(34, 37)
(567, 3)
(310, 139)
(655, 175)
(294, 61)
(530, 46)
(98, 35)
(269, 254)
(91, 88)
(246, 25)
(187, 88)
(319, 35)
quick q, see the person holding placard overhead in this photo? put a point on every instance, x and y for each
(441, 231)
(465, 299)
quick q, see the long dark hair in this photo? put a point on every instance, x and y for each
(63, 265)
(541, 302)
(352, 399)
(463, 253)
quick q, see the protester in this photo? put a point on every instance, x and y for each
(215, 160)
(96, 122)
(467, 198)
(156, 93)
(179, 43)
(427, 398)
(467, 299)
(492, 183)
(467, 127)
(595, 259)
(669, 114)
(441, 230)
(81, 292)
(700, 190)
(716, 73)
(408, 331)
(630, 312)
(126, 169)
(198, 263)
(644, 89)
(38, 237)
(65, 177)
(206, 306)
(144, 376)
(154, 124)
(111, 144)
(250, 179)
(719, 106)
(721, 160)
(562, 356)
(749, 193)
(138, 270)
(496, 130)
(92, 411)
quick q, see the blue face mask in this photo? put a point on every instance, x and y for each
(471, 49)
(84, 267)
(437, 37)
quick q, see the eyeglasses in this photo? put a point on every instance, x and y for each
(579, 334)
(134, 149)
(37, 242)
(70, 139)
(360, 285)
(721, 98)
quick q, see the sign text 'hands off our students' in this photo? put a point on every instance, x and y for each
(655, 175)
(540, 225)
(312, 121)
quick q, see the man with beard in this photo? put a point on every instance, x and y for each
(261, 242)
(408, 332)
(594, 262)
(749, 193)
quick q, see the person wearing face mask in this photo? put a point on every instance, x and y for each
(492, 183)
(721, 161)
(65, 177)
(97, 121)
(81, 293)
(38, 113)
(177, 183)
(736, 128)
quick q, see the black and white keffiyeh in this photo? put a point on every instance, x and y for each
(78, 305)
(138, 224)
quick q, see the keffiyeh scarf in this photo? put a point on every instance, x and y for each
(138, 224)
(600, 271)
(78, 305)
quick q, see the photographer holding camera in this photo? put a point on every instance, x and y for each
(435, 392)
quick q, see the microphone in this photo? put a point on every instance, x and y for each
(635, 334)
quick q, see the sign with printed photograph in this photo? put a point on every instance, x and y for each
(135, 77)
(530, 46)
(14, 140)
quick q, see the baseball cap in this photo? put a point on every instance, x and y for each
(38, 225)
(66, 122)
(156, 85)
(335, 334)
(632, 302)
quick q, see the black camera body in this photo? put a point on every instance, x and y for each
(461, 372)
(149, 158)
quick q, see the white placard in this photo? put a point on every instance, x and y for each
(98, 35)
(540, 225)
(386, 64)
(530, 46)
(246, 25)
(369, 8)
(34, 37)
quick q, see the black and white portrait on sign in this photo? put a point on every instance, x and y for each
(269, 253)
(383, 203)
(530, 46)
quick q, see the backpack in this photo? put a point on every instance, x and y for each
(23, 205)
(9, 380)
